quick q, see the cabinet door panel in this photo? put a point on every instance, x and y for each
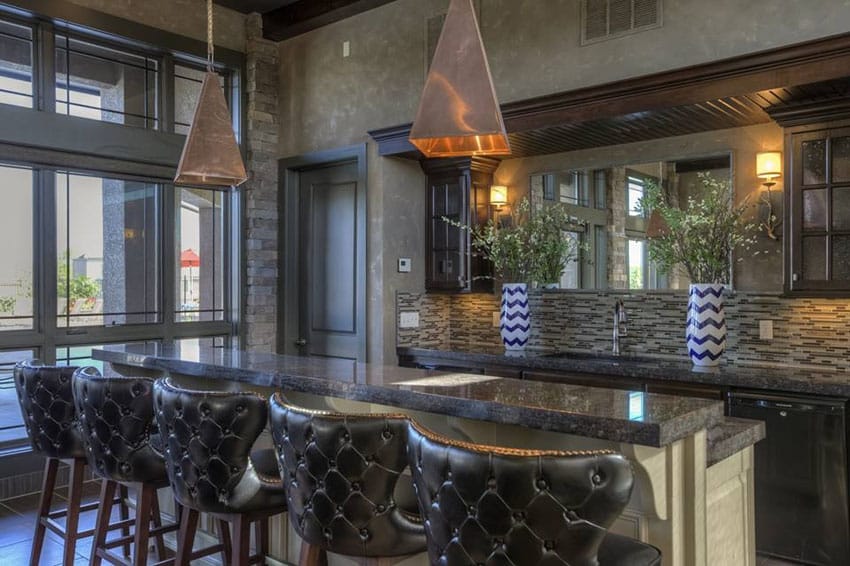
(841, 208)
(814, 258)
(814, 162)
(814, 209)
(841, 258)
(841, 159)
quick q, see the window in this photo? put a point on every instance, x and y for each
(187, 90)
(16, 65)
(105, 83)
(201, 233)
(16, 261)
(571, 277)
(637, 264)
(636, 187)
(107, 234)
(11, 422)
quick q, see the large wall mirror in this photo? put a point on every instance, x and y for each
(615, 251)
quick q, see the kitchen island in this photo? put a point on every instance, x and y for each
(697, 513)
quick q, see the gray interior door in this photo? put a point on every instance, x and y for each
(331, 215)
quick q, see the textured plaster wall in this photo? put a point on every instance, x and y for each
(184, 17)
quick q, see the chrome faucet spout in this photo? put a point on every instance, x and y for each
(620, 325)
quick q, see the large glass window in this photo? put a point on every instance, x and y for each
(201, 236)
(16, 251)
(16, 64)
(11, 422)
(104, 83)
(107, 234)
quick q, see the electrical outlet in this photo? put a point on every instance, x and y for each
(409, 320)
(766, 329)
(497, 319)
(346, 48)
(404, 265)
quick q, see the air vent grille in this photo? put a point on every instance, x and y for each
(607, 19)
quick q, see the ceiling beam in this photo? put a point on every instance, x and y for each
(306, 15)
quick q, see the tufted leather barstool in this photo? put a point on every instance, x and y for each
(208, 437)
(117, 427)
(492, 505)
(47, 405)
(342, 474)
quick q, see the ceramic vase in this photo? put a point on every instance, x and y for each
(706, 325)
(514, 320)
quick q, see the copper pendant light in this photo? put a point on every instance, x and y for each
(211, 156)
(459, 114)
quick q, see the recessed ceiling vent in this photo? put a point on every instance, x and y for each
(607, 19)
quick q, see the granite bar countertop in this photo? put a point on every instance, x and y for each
(608, 414)
(790, 379)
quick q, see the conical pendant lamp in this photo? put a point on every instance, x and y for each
(211, 156)
(459, 114)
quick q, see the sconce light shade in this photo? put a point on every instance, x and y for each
(769, 164)
(211, 157)
(498, 195)
(459, 114)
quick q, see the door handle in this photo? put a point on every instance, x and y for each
(301, 342)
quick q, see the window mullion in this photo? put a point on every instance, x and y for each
(169, 260)
(44, 67)
(166, 96)
(47, 262)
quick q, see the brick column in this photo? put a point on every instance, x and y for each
(261, 214)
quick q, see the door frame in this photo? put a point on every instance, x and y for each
(289, 292)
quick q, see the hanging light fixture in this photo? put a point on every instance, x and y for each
(459, 114)
(211, 156)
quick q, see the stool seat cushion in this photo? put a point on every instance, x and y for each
(617, 550)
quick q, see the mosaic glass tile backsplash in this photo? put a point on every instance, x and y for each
(807, 332)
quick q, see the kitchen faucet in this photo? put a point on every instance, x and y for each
(621, 328)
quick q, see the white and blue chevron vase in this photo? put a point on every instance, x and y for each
(515, 320)
(706, 326)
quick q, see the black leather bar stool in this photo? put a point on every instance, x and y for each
(492, 505)
(208, 437)
(344, 481)
(47, 405)
(117, 427)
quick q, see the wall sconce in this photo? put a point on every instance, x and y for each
(498, 196)
(769, 167)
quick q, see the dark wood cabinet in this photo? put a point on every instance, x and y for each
(458, 189)
(818, 211)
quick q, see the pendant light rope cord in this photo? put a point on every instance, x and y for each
(210, 46)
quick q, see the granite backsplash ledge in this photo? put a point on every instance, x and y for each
(807, 332)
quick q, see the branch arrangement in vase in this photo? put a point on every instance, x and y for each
(528, 246)
(701, 235)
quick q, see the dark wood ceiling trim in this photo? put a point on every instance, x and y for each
(802, 63)
(810, 113)
(706, 85)
(306, 15)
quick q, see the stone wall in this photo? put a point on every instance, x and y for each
(811, 333)
(261, 205)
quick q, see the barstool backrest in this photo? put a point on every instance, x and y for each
(116, 420)
(207, 439)
(47, 407)
(522, 507)
(340, 472)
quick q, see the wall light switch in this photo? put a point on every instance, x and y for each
(346, 48)
(404, 265)
(497, 319)
(409, 320)
(766, 329)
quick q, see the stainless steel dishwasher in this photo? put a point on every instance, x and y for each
(801, 476)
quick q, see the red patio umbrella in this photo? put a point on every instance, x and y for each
(188, 258)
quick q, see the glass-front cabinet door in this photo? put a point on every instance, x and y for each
(819, 212)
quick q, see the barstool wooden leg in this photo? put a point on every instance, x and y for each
(51, 465)
(312, 555)
(186, 536)
(261, 535)
(156, 521)
(144, 505)
(75, 495)
(226, 546)
(124, 510)
(104, 512)
(242, 541)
